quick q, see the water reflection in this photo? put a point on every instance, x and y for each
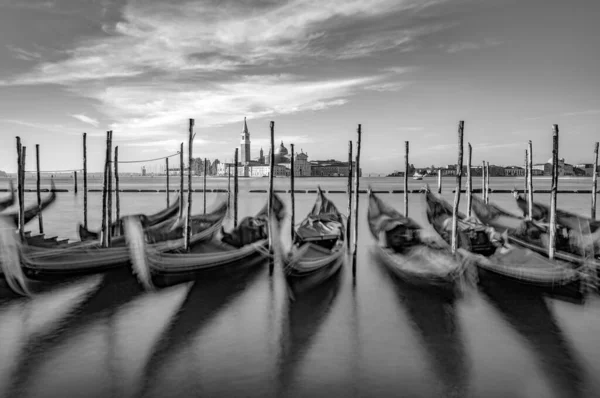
(528, 313)
(204, 301)
(433, 316)
(305, 314)
(115, 290)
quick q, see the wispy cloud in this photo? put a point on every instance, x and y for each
(390, 86)
(588, 112)
(23, 54)
(86, 119)
(470, 45)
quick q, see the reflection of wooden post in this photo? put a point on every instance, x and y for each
(439, 180)
(461, 126)
(188, 218)
(167, 166)
(117, 199)
(349, 220)
(39, 196)
(85, 191)
(270, 209)
(356, 186)
(405, 178)
(235, 189)
(75, 182)
(293, 221)
(469, 181)
(552, 243)
(594, 182)
(530, 182)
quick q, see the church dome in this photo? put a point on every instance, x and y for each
(281, 151)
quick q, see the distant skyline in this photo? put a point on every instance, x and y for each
(404, 69)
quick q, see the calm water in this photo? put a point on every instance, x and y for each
(103, 337)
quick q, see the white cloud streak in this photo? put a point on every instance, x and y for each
(86, 119)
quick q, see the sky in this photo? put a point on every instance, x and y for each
(406, 70)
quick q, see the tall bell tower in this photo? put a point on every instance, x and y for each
(245, 145)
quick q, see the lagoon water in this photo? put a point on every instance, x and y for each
(102, 336)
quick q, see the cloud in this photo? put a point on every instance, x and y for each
(86, 119)
(390, 86)
(469, 45)
(23, 54)
(588, 112)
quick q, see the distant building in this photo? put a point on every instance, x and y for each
(564, 169)
(587, 168)
(331, 168)
(514, 171)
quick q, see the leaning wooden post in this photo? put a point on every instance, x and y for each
(552, 243)
(293, 221)
(181, 181)
(109, 206)
(103, 229)
(75, 182)
(85, 191)
(439, 180)
(594, 182)
(461, 126)
(483, 181)
(530, 181)
(405, 178)
(270, 209)
(469, 181)
(349, 220)
(38, 181)
(204, 186)
(20, 187)
(487, 182)
(167, 166)
(117, 199)
(356, 186)
(188, 218)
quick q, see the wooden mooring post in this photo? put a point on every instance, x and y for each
(20, 188)
(594, 182)
(461, 126)
(526, 184)
(270, 208)
(292, 197)
(188, 217)
(487, 182)
(117, 198)
(103, 229)
(469, 180)
(235, 189)
(204, 186)
(38, 188)
(85, 188)
(483, 181)
(167, 167)
(349, 220)
(554, 191)
(439, 181)
(181, 181)
(356, 187)
(530, 181)
(23, 163)
(229, 189)
(406, 178)
(109, 204)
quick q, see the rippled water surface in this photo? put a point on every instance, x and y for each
(102, 336)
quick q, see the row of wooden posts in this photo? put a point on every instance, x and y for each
(108, 170)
